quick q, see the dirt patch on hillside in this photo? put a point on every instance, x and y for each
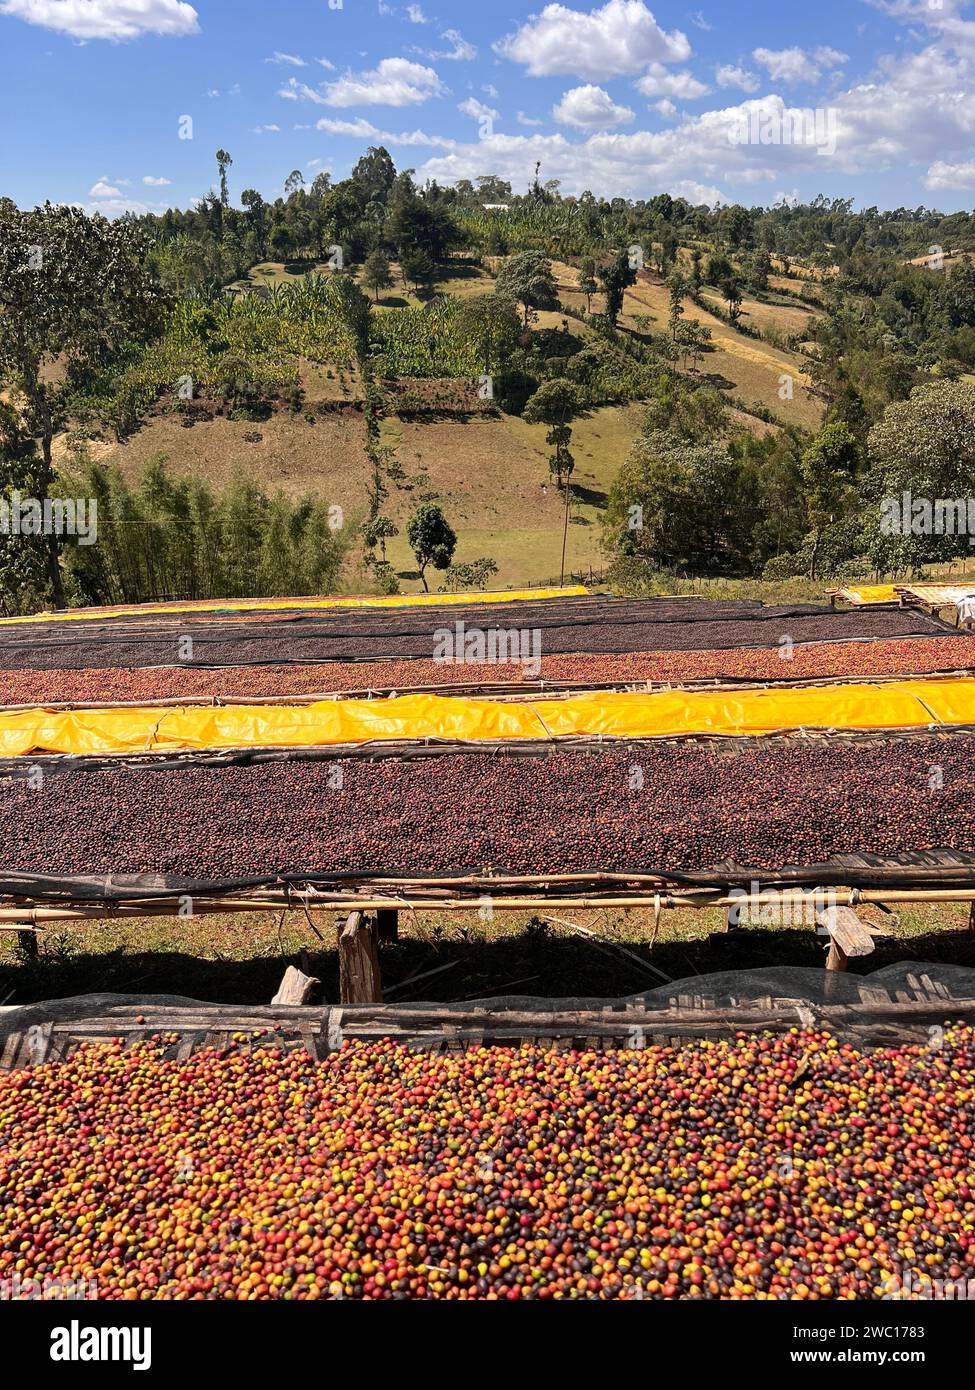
(325, 458)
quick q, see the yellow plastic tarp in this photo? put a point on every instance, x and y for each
(134, 729)
(873, 593)
(247, 605)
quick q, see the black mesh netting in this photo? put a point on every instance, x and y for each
(911, 1000)
(599, 626)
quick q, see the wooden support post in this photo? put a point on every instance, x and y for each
(971, 917)
(732, 918)
(848, 936)
(359, 978)
(836, 957)
(295, 987)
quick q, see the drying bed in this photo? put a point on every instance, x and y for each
(786, 1167)
(638, 808)
(604, 627)
(915, 655)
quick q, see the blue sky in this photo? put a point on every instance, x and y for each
(742, 100)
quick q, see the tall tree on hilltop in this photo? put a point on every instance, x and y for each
(224, 162)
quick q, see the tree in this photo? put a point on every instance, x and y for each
(527, 278)
(616, 277)
(719, 270)
(691, 340)
(677, 287)
(924, 446)
(320, 186)
(282, 243)
(554, 404)
(470, 576)
(23, 559)
(431, 539)
(376, 274)
(491, 189)
(378, 532)
(373, 176)
(491, 322)
(757, 269)
(293, 182)
(355, 312)
(829, 468)
(73, 291)
(696, 271)
(692, 414)
(256, 217)
(224, 162)
(588, 285)
(420, 224)
(673, 504)
(731, 290)
(418, 269)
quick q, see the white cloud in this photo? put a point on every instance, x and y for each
(528, 120)
(118, 207)
(490, 90)
(730, 75)
(658, 82)
(460, 51)
(361, 129)
(477, 110)
(152, 182)
(591, 108)
(794, 65)
(665, 107)
(698, 193)
(267, 129)
(103, 188)
(615, 41)
(287, 59)
(107, 19)
(698, 20)
(942, 175)
(915, 113)
(416, 15)
(393, 82)
(615, 164)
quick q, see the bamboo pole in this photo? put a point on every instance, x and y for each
(168, 907)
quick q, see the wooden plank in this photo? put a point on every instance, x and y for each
(295, 987)
(11, 1046)
(851, 936)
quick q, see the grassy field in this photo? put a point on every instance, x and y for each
(242, 958)
(492, 479)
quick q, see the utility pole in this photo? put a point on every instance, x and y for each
(565, 532)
